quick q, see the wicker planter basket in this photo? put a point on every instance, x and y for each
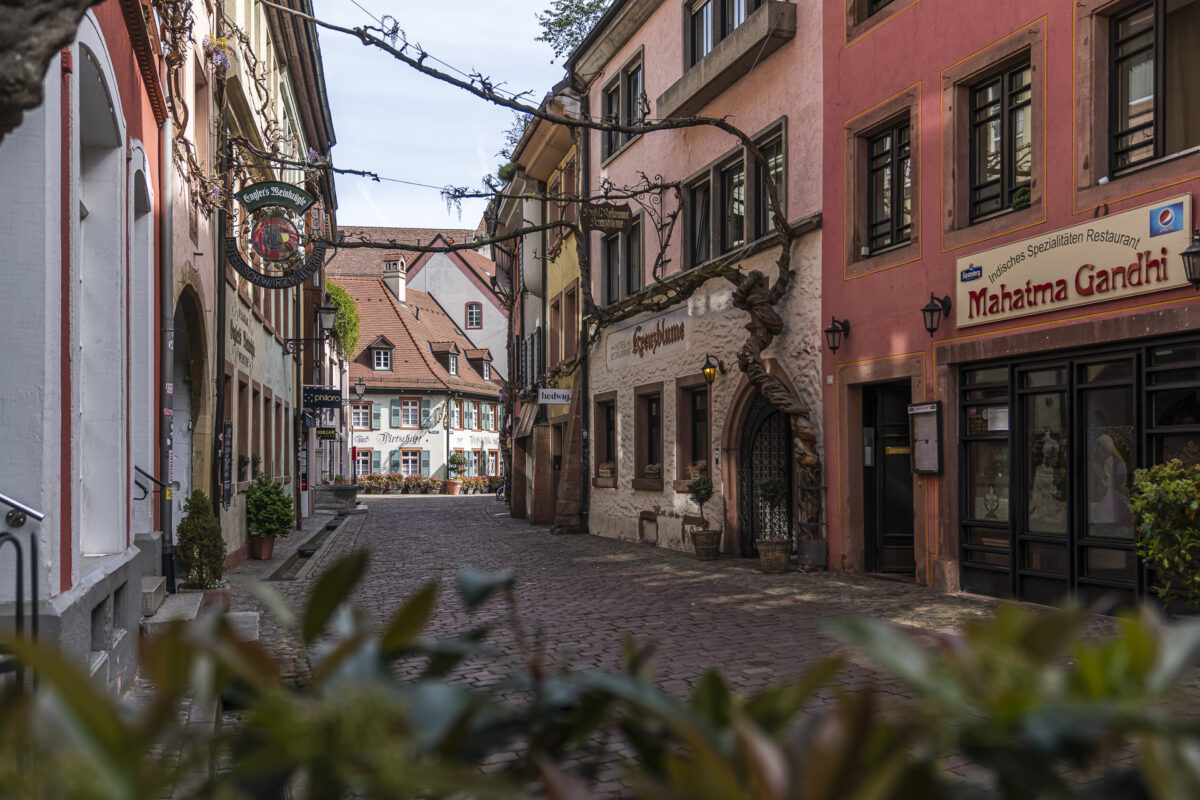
(707, 544)
(774, 554)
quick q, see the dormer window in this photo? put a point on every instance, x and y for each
(453, 363)
(383, 360)
(487, 371)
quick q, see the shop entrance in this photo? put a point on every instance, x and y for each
(766, 452)
(887, 479)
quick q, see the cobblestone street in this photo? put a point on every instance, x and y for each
(584, 594)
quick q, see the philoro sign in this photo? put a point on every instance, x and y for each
(657, 337)
(1122, 255)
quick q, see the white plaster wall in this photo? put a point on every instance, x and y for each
(442, 278)
(719, 330)
(438, 440)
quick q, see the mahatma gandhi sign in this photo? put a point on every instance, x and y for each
(1121, 255)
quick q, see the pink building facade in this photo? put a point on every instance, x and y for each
(1026, 175)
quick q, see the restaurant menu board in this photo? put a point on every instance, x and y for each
(924, 427)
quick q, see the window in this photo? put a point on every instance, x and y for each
(764, 214)
(648, 445)
(555, 331)
(634, 110)
(875, 5)
(360, 416)
(410, 414)
(410, 462)
(702, 30)
(474, 316)
(452, 362)
(473, 416)
(606, 429)
(699, 227)
(622, 104)
(889, 187)
(713, 20)
(733, 206)
(489, 417)
(633, 259)
(570, 322)
(362, 462)
(456, 414)
(610, 257)
(1001, 140)
(474, 459)
(487, 371)
(693, 420)
(383, 359)
(1151, 77)
(612, 114)
(493, 462)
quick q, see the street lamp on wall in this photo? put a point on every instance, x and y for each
(834, 333)
(359, 389)
(326, 318)
(933, 311)
(1191, 261)
(711, 365)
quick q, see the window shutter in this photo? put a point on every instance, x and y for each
(395, 459)
(376, 413)
(395, 412)
(425, 463)
(375, 457)
(426, 411)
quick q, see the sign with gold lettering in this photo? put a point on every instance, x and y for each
(268, 248)
(657, 337)
(1121, 255)
(607, 217)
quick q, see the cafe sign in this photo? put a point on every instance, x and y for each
(267, 247)
(607, 217)
(1122, 255)
(657, 337)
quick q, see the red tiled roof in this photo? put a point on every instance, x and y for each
(443, 347)
(410, 328)
(479, 352)
(369, 260)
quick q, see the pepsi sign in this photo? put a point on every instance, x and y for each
(1167, 219)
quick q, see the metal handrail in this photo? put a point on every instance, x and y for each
(148, 476)
(17, 505)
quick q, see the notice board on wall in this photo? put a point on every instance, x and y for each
(925, 437)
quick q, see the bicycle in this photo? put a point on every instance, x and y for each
(502, 492)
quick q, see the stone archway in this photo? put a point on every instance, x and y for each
(191, 423)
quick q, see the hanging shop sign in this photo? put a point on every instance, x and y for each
(267, 247)
(657, 337)
(607, 217)
(327, 434)
(1108, 258)
(560, 397)
(322, 397)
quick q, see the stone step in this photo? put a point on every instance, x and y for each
(176, 607)
(244, 624)
(154, 592)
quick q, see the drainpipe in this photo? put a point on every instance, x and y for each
(166, 346)
(219, 267)
(586, 411)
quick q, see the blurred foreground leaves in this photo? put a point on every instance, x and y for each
(1022, 703)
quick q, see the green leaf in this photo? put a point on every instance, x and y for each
(476, 586)
(330, 592)
(896, 651)
(412, 617)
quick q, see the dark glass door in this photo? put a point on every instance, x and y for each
(1043, 522)
(887, 479)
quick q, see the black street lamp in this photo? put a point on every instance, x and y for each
(711, 365)
(359, 389)
(834, 333)
(933, 311)
(326, 317)
(1191, 261)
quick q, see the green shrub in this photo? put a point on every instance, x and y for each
(457, 464)
(269, 510)
(1165, 502)
(701, 491)
(345, 325)
(200, 549)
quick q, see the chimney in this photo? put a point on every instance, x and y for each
(394, 275)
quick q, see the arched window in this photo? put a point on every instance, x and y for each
(474, 316)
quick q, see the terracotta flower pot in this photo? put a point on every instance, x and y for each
(262, 547)
(220, 598)
(774, 555)
(452, 487)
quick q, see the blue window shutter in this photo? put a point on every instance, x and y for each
(395, 461)
(426, 411)
(395, 412)
(425, 463)
(375, 457)
(376, 413)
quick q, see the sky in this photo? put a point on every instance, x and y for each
(391, 120)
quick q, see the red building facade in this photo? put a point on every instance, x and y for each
(1025, 174)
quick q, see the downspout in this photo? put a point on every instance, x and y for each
(586, 252)
(299, 433)
(166, 347)
(220, 266)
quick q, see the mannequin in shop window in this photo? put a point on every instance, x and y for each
(1111, 473)
(1047, 506)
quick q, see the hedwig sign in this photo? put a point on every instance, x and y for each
(1122, 255)
(657, 337)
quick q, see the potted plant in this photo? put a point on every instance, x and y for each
(395, 482)
(200, 551)
(606, 469)
(696, 469)
(653, 470)
(432, 485)
(706, 542)
(1166, 520)
(456, 465)
(269, 514)
(775, 546)
(339, 479)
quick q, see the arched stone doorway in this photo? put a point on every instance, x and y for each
(765, 452)
(190, 422)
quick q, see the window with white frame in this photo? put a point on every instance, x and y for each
(487, 371)
(383, 359)
(474, 315)
(362, 462)
(472, 462)
(410, 413)
(493, 463)
(453, 362)
(360, 416)
(489, 417)
(410, 462)
(473, 416)
(456, 414)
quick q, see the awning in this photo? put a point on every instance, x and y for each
(525, 420)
